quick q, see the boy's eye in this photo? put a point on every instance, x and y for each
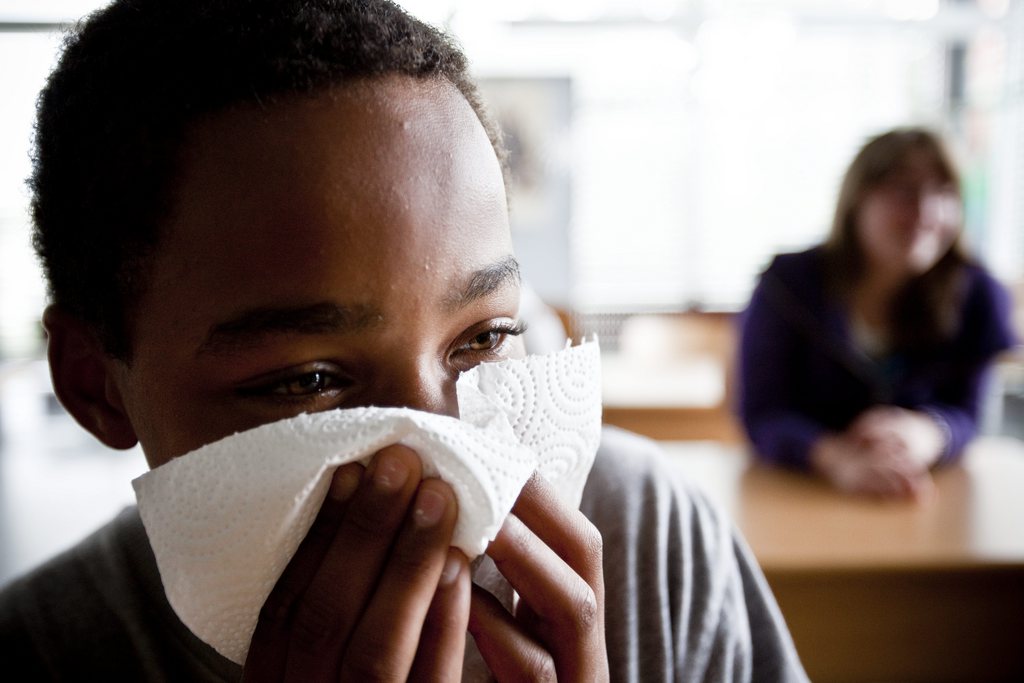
(316, 382)
(491, 340)
(485, 341)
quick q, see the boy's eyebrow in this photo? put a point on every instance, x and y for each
(247, 328)
(485, 281)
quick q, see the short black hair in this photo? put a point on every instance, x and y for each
(135, 75)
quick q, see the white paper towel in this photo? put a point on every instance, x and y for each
(225, 519)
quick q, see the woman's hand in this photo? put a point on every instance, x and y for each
(909, 432)
(374, 591)
(878, 467)
(551, 555)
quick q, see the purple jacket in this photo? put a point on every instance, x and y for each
(800, 375)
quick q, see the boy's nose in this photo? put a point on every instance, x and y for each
(425, 388)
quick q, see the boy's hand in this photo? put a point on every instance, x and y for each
(551, 555)
(374, 592)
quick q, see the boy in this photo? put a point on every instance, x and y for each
(248, 210)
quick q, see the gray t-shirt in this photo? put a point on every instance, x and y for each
(684, 599)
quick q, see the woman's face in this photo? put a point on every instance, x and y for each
(344, 250)
(906, 223)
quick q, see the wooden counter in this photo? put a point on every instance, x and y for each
(887, 591)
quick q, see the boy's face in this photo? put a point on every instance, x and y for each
(342, 250)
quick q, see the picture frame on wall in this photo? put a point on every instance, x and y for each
(535, 116)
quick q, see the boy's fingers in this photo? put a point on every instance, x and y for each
(509, 652)
(388, 635)
(443, 639)
(337, 595)
(268, 649)
(552, 556)
(565, 530)
(565, 612)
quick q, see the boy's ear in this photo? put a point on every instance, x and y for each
(83, 379)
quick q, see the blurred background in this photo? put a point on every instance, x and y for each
(662, 151)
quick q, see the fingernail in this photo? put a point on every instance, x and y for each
(344, 483)
(389, 472)
(429, 507)
(451, 570)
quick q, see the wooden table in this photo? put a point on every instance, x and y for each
(887, 591)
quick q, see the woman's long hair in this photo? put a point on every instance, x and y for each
(924, 313)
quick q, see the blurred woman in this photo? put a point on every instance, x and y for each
(863, 359)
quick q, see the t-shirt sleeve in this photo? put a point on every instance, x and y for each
(685, 600)
(97, 612)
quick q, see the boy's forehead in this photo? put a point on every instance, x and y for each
(364, 112)
(396, 129)
(392, 142)
(369, 178)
